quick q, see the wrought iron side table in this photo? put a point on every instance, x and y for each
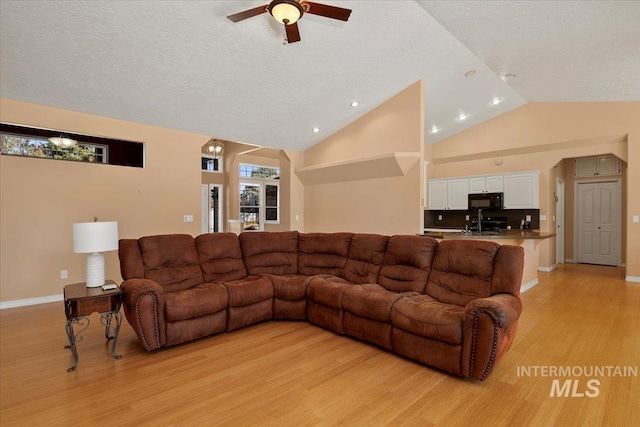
(80, 302)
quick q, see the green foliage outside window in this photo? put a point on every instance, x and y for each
(32, 147)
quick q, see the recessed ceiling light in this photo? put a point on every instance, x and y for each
(434, 129)
(354, 103)
(462, 116)
(496, 101)
(469, 73)
(506, 77)
(316, 130)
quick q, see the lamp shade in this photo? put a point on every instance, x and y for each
(89, 237)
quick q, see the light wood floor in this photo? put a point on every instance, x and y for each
(293, 373)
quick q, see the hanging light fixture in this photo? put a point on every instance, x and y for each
(63, 141)
(215, 147)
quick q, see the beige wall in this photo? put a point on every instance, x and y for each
(537, 136)
(41, 199)
(389, 205)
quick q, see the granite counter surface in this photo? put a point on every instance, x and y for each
(504, 234)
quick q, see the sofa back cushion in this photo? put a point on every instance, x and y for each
(171, 260)
(323, 253)
(270, 252)
(131, 266)
(407, 263)
(366, 254)
(220, 257)
(462, 271)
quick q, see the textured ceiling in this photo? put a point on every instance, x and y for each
(183, 65)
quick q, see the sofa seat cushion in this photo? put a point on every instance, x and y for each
(371, 301)
(200, 300)
(250, 290)
(424, 316)
(290, 287)
(327, 291)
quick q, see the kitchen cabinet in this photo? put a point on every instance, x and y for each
(437, 194)
(486, 184)
(448, 194)
(458, 194)
(521, 190)
(597, 166)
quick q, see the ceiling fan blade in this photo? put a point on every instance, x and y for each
(248, 13)
(293, 34)
(327, 11)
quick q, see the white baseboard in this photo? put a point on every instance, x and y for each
(548, 269)
(634, 279)
(30, 301)
(524, 288)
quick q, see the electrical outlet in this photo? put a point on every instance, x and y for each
(439, 217)
(542, 218)
(188, 218)
(527, 218)
(63, 274)
(467, 218)
(635, 218)
(297, 217)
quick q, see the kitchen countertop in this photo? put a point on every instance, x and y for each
(504, 234)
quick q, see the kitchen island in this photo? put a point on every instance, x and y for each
(527, 239)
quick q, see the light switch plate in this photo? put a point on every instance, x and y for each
(635, 218)
(188, 218)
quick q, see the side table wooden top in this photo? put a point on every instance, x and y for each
(78, 291)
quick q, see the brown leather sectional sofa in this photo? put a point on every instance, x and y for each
(453, 304)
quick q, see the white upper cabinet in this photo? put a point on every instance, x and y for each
(486, 184)
(448, 194)
(597, 166)
(438, 194)
(458, 194)
(521, 191)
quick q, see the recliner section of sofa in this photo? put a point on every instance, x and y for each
(453, 305)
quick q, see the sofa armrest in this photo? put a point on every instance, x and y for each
(144, 302)
(489, 328)
(505, 309)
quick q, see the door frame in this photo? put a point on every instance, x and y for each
(206, 207)
(618, 182)
(560, 220)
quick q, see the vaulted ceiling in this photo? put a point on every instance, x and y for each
(183, 65)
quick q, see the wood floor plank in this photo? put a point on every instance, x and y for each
(285, 373)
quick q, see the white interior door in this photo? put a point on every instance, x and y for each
(598, 222)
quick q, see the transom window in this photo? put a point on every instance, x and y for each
(34, 142)
(263, 172)
(32, 147)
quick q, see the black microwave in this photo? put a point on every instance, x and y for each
(486, 201)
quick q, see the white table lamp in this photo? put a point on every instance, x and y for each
(92, 238)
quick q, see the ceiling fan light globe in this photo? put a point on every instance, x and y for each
(285, 10)
(63, 141)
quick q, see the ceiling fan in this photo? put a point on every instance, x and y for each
(288, 12)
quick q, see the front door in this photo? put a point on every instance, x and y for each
(598, 219)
